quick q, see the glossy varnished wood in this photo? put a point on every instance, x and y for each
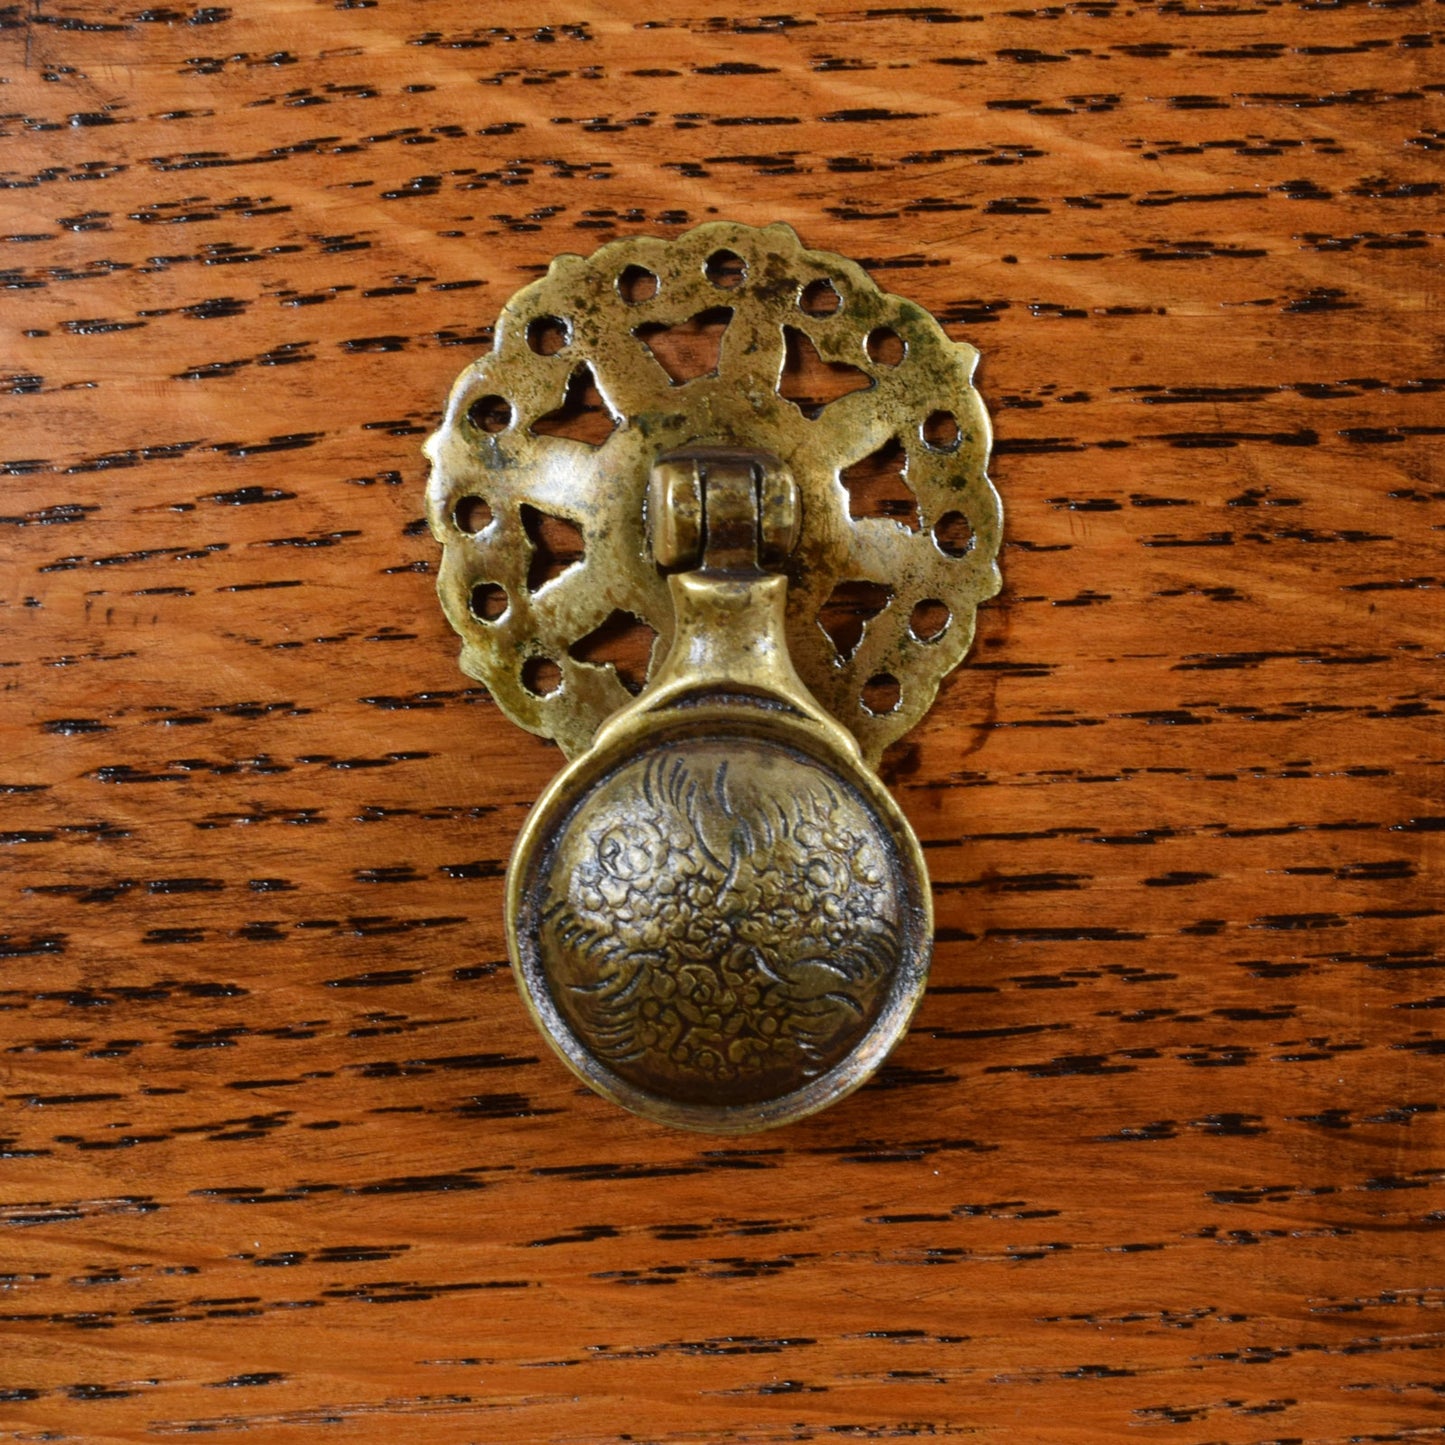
(280, 1156)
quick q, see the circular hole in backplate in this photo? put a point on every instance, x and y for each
(726, 269)
(472, 514)
(547, 335)
(929, 620)
(953, 534)
(820, 298)
(541, 676)
(882, 694)
(636, 284)
(490, 413)
(885, 346)
(488, 601)
(940, 431)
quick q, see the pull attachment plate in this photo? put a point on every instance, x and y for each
(727, 336)
(716, 912)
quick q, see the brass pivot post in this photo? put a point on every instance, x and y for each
(722, 508)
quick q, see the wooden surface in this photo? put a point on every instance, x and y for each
(280, 1155)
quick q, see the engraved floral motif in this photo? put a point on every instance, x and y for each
(724, 928)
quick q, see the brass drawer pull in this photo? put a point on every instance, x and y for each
(716, 912)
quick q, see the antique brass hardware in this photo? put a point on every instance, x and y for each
(716, 912)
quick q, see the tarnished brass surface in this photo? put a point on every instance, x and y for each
(589, 318)
(716, 912)
(721, 919)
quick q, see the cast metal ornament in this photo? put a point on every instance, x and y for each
(717, 914)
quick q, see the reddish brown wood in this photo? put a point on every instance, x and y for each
(281, 1154)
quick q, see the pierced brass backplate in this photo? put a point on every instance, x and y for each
(497, 445)
(717, 914)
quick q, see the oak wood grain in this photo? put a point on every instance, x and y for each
(280, 1156)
